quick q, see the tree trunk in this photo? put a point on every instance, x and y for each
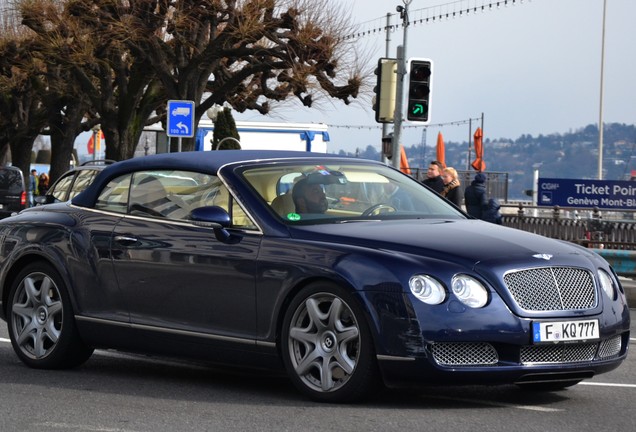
(64, 130)
(21, 150)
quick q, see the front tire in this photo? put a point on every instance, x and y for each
(40, 320)
(327, 347)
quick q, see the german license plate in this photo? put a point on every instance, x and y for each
(565, 331)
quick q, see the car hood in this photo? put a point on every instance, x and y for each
(468, 241)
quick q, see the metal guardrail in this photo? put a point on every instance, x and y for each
(594, 232)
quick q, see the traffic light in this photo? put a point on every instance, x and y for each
(419, 89)
(385, 90)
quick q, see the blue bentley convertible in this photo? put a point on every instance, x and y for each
(345, 272)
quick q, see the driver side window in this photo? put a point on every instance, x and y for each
(170, 194)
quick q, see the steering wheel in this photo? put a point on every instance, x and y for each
(377, 209)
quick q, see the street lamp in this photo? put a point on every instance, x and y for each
(401, 57)
(600, 110)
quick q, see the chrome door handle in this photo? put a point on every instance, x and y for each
(125, 239)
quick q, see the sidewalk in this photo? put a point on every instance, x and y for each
(630, 291)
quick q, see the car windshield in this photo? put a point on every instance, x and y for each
(308, 194)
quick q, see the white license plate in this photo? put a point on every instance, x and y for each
(1, 206)
(564, 331)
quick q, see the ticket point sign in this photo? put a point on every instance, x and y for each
(604, 194)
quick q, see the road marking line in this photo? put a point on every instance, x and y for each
(496, 404)
(601, 384)
(81, 427)
(5, 340)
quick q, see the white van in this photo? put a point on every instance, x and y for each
(311, 137)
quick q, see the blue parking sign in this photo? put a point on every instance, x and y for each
(180, 118)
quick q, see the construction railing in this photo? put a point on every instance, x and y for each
(614, 239)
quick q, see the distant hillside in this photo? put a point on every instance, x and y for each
(570, 155)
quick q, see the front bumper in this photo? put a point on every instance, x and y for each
(418, 344)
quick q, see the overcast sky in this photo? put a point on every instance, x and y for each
(530, 68)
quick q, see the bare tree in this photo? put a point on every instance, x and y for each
(242, 52)
(120, 90)
(128, 57)
(67, 107)
(22, 114)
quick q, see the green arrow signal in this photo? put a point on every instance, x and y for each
(418, 109)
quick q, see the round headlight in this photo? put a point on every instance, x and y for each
(470, 291)
(607, 283)
(427, 289)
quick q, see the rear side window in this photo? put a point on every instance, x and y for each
(61, 187)
(11, 180)
(83, 180)
(114, 197)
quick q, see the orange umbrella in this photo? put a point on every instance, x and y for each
(479, 164)
(441, 156)
(404, 162)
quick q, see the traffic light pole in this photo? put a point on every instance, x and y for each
(401, 71)
(385, 126)
(397, 120)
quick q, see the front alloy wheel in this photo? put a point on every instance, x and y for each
(327, 345)
(40, 322)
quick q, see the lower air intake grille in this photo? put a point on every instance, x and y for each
(610, 348)
(464, 354)
(558, 353)
(484, 354)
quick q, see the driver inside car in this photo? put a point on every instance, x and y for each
(309, 197)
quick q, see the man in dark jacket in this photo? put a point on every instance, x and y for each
(475, 196)
(434, 176)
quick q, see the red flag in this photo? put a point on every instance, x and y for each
(479, 164)
(441, 150)
(90, 146)
(404, 162)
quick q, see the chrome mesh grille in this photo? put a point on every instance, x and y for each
(566, 353)
(552, 289)
(610, 348)
(468, 354)
(464, 354)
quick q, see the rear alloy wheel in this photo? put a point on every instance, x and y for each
(40, 321)
(327, 347)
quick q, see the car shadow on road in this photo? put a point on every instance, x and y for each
(164, 378)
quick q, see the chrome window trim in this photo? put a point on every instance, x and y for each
(164, 221)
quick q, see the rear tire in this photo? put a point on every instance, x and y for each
(327, 347)
(40, 320)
